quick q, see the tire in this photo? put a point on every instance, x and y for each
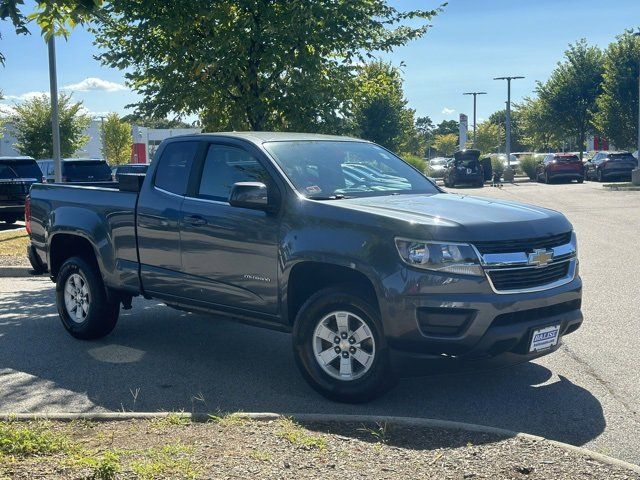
(599, 176)
(10, 220)
(480, 184)
(547, 178)
(365, 382)
(99, 313)
(580, 180)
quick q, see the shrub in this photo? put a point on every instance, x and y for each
(497, 166)
(528, 165)
(420, 163)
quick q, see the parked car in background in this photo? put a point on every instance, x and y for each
(560, 166)
(437, 166)
(138, 168)
(502, 157)
(77, 170)
(610, 165)
(17, 174)
(465, 169)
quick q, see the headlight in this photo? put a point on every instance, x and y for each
(457, 258)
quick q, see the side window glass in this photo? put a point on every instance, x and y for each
(225, 166)
(174, 167)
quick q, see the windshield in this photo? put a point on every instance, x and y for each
(334, 169)
(86, 171)
(19, 169)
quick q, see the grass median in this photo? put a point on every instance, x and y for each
(235, 447)
(13, 247)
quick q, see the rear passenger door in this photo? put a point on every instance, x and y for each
(230, 254)
(158, 219)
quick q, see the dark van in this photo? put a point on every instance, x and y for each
(464, 169)
(17, 174)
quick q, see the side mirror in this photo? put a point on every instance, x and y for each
(252, 195)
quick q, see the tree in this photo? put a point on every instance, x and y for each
(32, 125)
(489, 137)
(380, 111)
(116, 140)
(537, 124)
(570, 93)
(499, 118)
(155, 122)
(447, 126)
(250, 64)
(446, 144)
(53, 17)
(617, 116)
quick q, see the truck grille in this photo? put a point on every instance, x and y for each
(530, 277)
(526, 245)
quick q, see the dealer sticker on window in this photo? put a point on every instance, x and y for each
(544, 338)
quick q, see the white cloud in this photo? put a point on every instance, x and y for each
(448, 111)
(6, 109)
(25, 96)
(94, 84)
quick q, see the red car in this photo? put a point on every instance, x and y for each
(560, 166)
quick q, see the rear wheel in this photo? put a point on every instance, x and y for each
(599, 175)
(84, 307)
(340, 346)
(547, 178)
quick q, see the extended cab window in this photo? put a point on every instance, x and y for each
(225, 166)
(174, 167)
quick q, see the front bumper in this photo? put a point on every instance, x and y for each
(495, 329)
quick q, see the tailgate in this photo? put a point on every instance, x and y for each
(15, 189)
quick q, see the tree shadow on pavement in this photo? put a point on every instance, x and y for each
(160, 359)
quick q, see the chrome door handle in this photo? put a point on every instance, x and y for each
(195, 220)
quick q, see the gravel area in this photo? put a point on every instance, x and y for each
(229, 447)
(13, 261)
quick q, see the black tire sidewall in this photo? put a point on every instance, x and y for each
(376, 381)
(103, 313)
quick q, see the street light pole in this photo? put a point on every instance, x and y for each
(475, 96)
(635, 174)
(508, 120)
(55, 120)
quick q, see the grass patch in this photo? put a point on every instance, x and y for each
(170, 461)
(298, 435)
(22, 440)
(14, 243)
(171, 420)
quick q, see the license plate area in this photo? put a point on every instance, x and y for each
(544, 338)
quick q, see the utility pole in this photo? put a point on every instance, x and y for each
(475, 96)
(635, 174)
(508, 122)
(55, 120)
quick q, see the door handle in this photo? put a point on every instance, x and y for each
(195, 220)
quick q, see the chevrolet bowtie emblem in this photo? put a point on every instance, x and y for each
(540, 257)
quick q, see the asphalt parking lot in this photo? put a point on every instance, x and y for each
(586, 394)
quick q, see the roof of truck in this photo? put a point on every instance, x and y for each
(261, 137)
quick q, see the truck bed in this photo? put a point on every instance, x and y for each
(103, 215)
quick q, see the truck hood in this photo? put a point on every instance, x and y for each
(460, 217)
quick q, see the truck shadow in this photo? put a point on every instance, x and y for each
(160, 359)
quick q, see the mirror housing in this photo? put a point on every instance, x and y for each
(253, 195)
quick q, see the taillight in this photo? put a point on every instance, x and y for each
(27, 214)
(44, 179)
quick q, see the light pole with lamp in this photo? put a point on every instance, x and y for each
(635, 174)
(508, 172)
(475, 96)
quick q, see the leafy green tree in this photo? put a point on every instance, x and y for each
(53, 17)
(446, 143)
(537, 124)
(447, 126)
(617, 116)
(380, 111)
(518, 140)
(155, 122)
(116, 140)
(32, 125)
(569, 95)
(489, 137)
(251, 64)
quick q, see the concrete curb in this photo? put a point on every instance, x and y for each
(14, 271)
(310, 417)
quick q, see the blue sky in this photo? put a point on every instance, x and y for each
(471, 42)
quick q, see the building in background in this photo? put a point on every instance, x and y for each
(146, 140)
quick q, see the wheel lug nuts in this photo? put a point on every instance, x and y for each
(337, 349)
(344, 335)
(352, 340)
(352, 349)
(345, 354)
(336, 339)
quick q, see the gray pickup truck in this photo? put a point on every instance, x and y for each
(375, 271)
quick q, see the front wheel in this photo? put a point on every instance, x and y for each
(340, 347)
(84, 307)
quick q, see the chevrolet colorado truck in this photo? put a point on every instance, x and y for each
(375, 271)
